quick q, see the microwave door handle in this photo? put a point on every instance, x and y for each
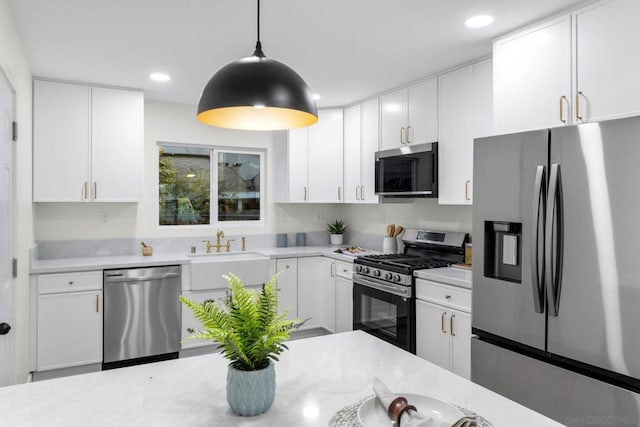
(554, 241)
(538, 204)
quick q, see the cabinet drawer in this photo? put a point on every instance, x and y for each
(344, 269)
(69, 282)
(439, 293)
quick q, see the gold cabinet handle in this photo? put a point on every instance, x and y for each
(97, 303)
(362, 192)
(451, 325)
(86, 189)
(578, 95)
(357, 192)
(95, 190)
(444, 331)
(562, 100)
(305, 193)
(401, 136)
(339, 196)
(466, 190)
(408, 130)
(332, 273)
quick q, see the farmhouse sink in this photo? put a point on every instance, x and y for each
(207, 269)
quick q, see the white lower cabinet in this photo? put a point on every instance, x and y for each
(69, 320)
(344, 297)
(329, 297)
(317, 293)
(288, 286)
(190, 322)
(443, 326)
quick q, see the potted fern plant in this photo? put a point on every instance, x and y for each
(336, 229)
(250, 333)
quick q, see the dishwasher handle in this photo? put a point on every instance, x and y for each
(119, 277)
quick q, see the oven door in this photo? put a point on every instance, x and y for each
(386, 315)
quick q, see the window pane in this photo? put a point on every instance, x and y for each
(238, 187)
(184, 177)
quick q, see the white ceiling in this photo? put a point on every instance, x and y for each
(346, 50)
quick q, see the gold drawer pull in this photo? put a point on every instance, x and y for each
(447, 296)
(97, 303)
(444, 331)
(578, 115)
(451, 325)
(70, 282)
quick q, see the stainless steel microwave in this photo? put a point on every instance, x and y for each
(410, 171)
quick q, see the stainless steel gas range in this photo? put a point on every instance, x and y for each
(384, 286)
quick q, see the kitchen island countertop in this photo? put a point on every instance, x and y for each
(315, 378)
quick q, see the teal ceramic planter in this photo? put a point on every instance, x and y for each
(251, 393)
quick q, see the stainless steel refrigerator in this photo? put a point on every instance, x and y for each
(556, 270)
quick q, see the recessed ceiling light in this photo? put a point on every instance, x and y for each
(478, 21)
(316, 96)
(160, 77)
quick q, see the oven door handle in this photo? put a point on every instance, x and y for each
(400, 291)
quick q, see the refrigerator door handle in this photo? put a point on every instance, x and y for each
(554, 240)
(539, 198)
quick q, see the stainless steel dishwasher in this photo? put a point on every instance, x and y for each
(142, 315)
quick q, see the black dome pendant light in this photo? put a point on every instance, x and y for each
(257, 93)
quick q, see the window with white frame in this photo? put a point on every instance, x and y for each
(191, 177)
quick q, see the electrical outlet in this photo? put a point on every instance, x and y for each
(103, 217)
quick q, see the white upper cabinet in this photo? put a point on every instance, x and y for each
(423, 113)
(360, 145)
(536, 85)
(393, 119)
(409, 116)
(370, 143)
(352, 154)
(465, 113)
(309, 163)
(532, 77)
(325, 158)
(116, 144)
(298, 154)
(99, 134)
(61, 129)
(607, 61)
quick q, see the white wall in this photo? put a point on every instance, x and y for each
(422, 213)
(168, 122)
(13, 63)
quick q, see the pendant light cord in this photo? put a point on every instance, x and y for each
(258, 51)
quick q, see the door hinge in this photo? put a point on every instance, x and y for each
(14, 267)
(15, 130)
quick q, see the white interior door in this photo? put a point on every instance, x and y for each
(6, 230)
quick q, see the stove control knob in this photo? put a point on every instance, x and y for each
(357, 268)
(388, 276)
(365, 270)
(376, 273)
(397, 278)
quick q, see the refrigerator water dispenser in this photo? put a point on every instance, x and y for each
(503, 250)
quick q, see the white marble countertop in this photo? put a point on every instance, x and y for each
(314, 379)
(450, 275)
(59, 265)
